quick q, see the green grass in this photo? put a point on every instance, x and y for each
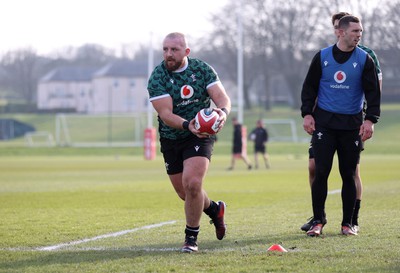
(385, 140)
(52, 196)
(50, 200)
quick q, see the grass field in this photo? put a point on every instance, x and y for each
(52, 201)
(108, 210)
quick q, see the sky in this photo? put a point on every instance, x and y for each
(50, 25)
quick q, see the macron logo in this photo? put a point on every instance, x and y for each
(197, 148)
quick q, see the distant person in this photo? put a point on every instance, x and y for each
(339, 78)
(259, 136)
(178, 88)
(237, 145)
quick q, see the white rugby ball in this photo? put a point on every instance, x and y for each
(206, 121)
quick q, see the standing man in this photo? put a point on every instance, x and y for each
(237, 145)
(179, 87)
(311, 163)
(340, 76)
(259, 136)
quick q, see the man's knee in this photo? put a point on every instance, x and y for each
(193, 186)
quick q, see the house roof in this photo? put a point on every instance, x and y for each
(122, 69)
(68, 74)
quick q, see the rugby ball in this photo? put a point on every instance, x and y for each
(206, 121)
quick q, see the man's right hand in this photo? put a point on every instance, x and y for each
(309, 124)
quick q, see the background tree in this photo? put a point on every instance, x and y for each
(23, 68)
(21, 73)
(281, 37)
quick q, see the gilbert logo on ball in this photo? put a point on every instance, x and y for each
(206, 121)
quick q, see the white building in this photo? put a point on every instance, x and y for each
(119, 87)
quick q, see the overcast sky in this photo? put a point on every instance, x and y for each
(49, 25)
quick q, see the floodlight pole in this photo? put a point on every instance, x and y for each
(111, 89)
(150, 64)
(110, 95)
(239, 61)
(150, 132)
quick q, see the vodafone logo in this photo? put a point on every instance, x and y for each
(340, 77)
(186, 92)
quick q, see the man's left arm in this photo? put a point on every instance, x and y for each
(372, 91)
(372, 95)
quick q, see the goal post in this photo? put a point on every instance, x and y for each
(281, 130)
(100, 130)
(39, 139)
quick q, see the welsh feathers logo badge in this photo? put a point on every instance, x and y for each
(186, 92)
(340, 77)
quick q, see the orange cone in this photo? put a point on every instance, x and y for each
(278, 248)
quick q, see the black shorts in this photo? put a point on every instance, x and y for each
(311, 151)
(346, 143)
(237, 149)
(176, 151)
(259, 149)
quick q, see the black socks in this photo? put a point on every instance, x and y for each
(192, 231)
(212, 209)
(355, 213)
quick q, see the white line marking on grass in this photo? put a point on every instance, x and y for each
(147, 249)
(115, 234)
(335, 191)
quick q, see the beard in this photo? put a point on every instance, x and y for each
(172, 64)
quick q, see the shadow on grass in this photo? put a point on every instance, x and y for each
(26, 259)
(72, 257)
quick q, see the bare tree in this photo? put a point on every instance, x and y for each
(292, 28)
(220, 47)
(281, 36)
(21, 68)
(277, 35)
(85, 55)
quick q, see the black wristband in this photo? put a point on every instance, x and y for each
(225, 110)
(185, 125)
(373, 119)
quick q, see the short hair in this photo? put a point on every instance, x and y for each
(178, 35)
(338, 16)
(346, 20)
